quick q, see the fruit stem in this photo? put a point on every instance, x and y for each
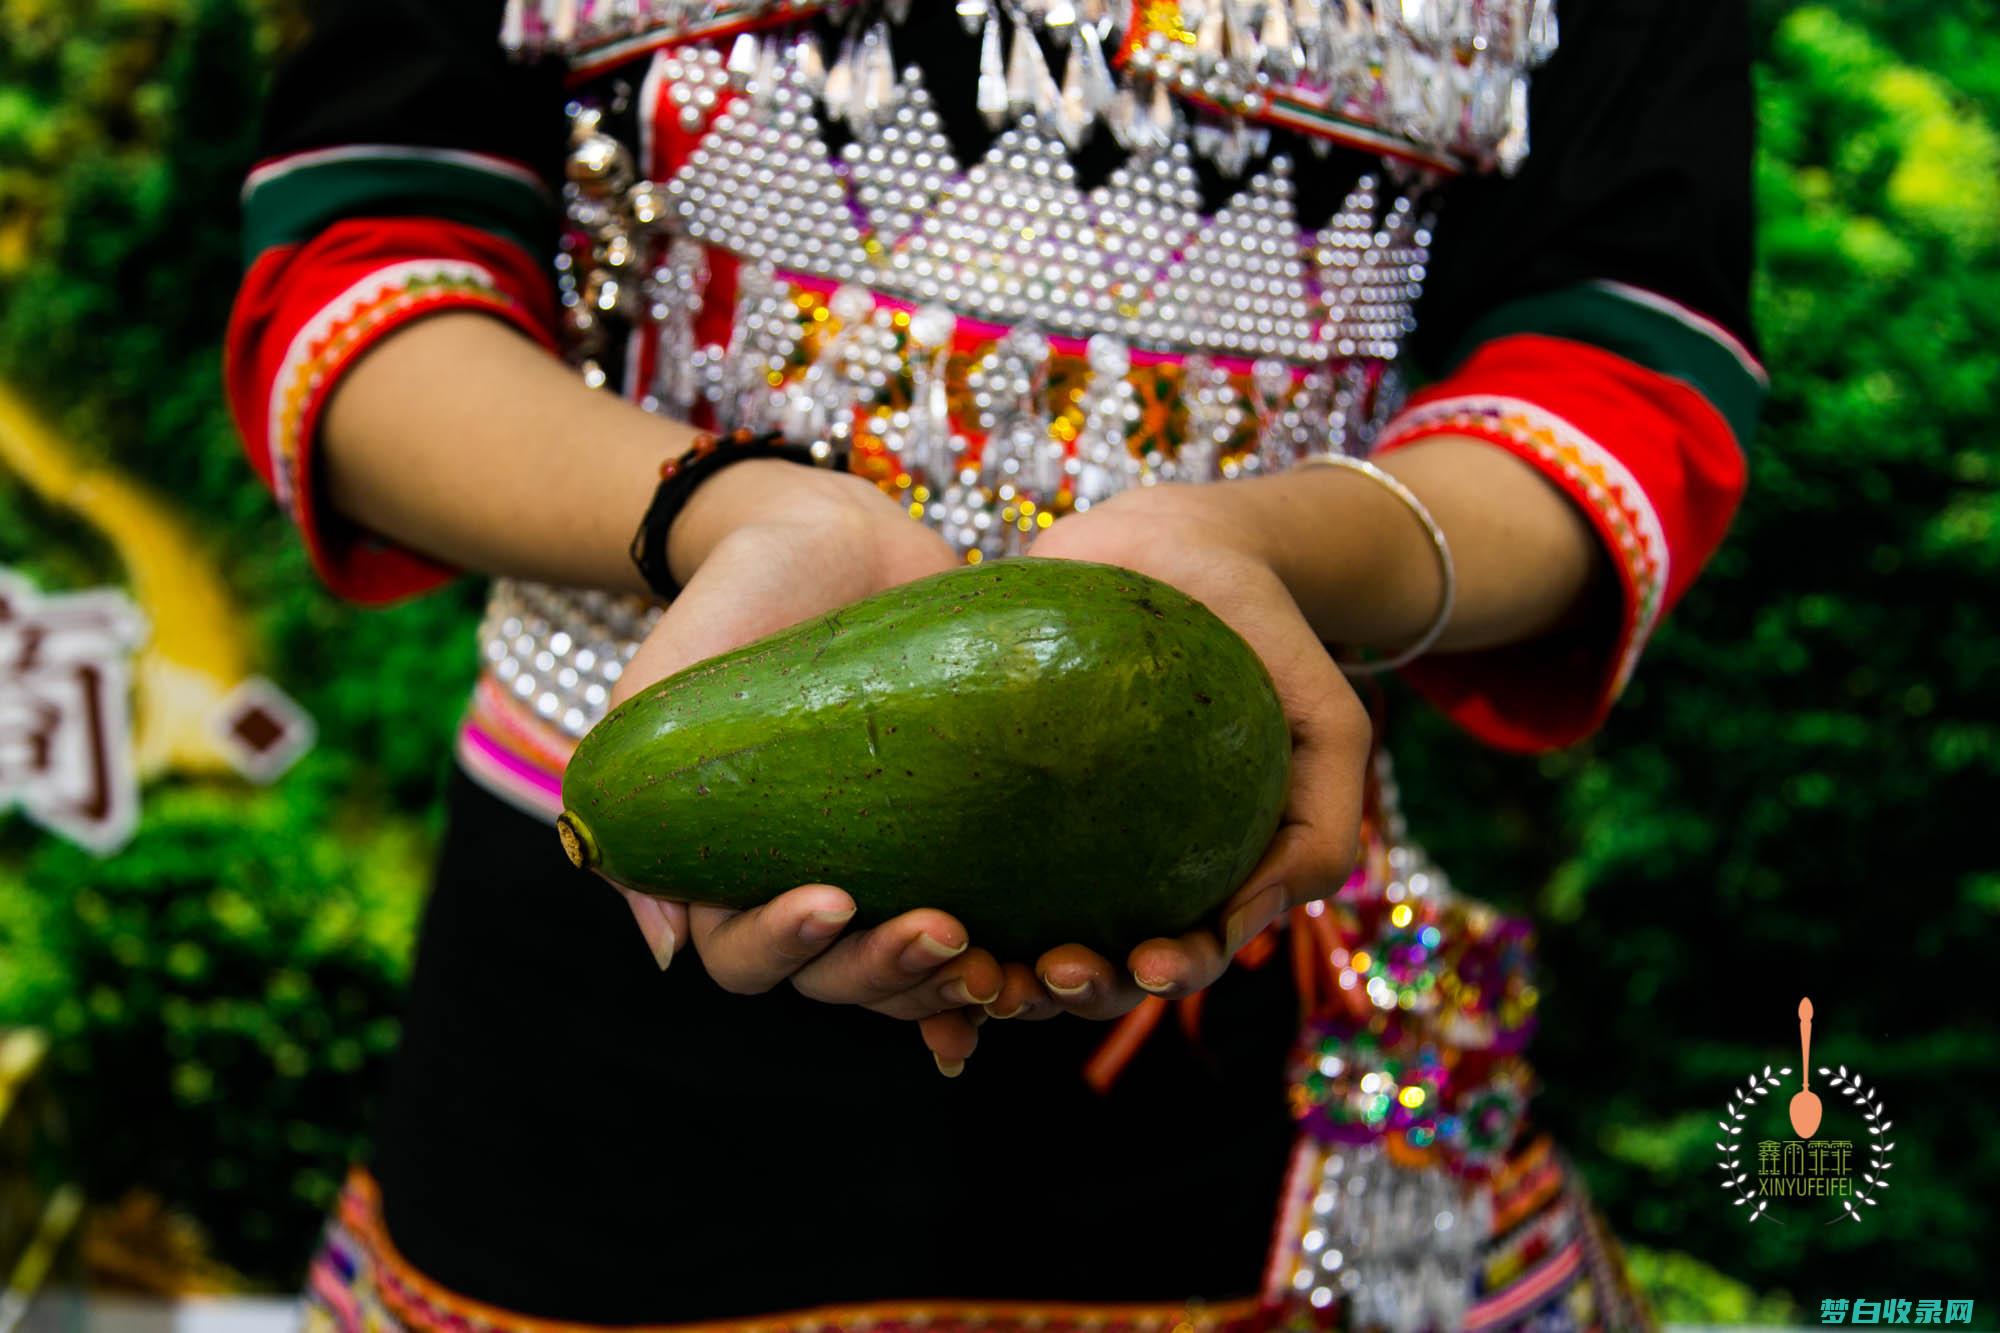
(577, 843)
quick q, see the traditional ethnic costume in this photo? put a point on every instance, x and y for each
(1014, 256)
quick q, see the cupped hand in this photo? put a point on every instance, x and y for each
(1178, 535)
(761, 546)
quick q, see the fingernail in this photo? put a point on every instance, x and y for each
(925, 952)
(654, 927)
(955, 991)
(1011, 1013)
(949, 1068)
(1250, 918)
(1076, 992)
(1151, 986)
(819, 927)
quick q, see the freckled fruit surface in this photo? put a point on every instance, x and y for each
(1051, 751)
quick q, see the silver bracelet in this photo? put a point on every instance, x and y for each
(1447, 572)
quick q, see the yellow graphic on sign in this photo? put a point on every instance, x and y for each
(195, 653)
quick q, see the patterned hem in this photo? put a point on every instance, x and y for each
(359, 1283)
(1557, 1272)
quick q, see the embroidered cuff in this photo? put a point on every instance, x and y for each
(1651, 463)
(306, 313)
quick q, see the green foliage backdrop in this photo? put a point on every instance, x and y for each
(1788, 802)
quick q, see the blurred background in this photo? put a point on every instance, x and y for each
(1792, 800)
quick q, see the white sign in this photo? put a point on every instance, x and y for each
(65, 713)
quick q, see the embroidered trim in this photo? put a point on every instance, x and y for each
(359, 1259)
(1695, 321)
(1614, 498)
(727, 21)
(1297, 110)
(1546, 1282)
(276, 169)
(292, 199)
(1647, 329)
(506, 750)
(387, 296)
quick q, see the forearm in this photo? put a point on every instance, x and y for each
(1364, 571)
(461, 439)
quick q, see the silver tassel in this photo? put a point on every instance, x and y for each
(992, 96)
(1512, 149)
(1073, 110)
(839, 90)
(809, 65)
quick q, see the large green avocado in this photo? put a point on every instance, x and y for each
(1051, 751)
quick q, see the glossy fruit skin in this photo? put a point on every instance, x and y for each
(1052, 751)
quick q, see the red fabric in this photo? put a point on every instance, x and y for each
(673, 143)
(284, 292)
(1679, 454)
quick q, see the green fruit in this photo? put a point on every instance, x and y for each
(1053, 752)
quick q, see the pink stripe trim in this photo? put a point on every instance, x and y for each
(1526, 1292)
(508, 776)
(326, 1285)
(505, 719)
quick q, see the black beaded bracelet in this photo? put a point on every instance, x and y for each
(680, 475)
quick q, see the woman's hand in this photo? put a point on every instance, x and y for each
(1175, 534)
(763, 545)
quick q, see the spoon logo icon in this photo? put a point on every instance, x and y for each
(1767, 1176)
(1805, 1105)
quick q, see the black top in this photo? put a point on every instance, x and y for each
(573, 1134)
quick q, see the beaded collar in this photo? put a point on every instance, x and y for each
(992, 342)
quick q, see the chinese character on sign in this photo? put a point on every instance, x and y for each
(1866, 1312)
(1833, 1310)
(65, 725)
(1958, 1312)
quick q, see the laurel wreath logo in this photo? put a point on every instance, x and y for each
(1729, 1149)
(1875, 1178)
(1737, 1181)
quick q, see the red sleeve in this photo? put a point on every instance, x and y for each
(307, 311)
(1647, 458)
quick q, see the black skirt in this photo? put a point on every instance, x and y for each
(571, 1133)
